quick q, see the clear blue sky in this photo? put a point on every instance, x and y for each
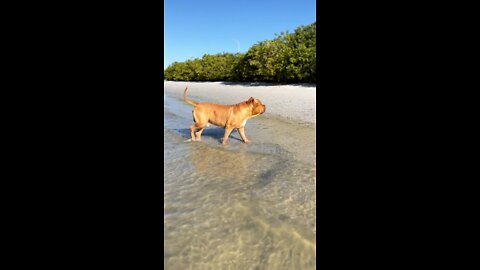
(197, 27)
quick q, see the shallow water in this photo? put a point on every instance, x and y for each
(238, 206)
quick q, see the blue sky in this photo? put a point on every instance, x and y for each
(197, 27)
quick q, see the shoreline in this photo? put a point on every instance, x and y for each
(296, 102)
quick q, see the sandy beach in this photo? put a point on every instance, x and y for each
(293, 102)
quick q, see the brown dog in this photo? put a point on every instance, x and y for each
(226, 116)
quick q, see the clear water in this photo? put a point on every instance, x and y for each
(238, 206)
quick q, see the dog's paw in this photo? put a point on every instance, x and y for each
(247, 141)
(189, 140)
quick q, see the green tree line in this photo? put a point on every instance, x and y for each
(288, 58)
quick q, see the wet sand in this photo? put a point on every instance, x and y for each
(238, 206)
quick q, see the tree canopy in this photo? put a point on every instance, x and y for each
(288, 58)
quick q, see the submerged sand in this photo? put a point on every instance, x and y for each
(293, 102)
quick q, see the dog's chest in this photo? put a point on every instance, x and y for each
(244, 122)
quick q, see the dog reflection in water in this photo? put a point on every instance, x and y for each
(214, 161)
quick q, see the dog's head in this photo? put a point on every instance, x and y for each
(257, 106)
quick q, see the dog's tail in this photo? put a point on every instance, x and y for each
(189, 101)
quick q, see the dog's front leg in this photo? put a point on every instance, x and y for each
(228, 129)
(242, 134)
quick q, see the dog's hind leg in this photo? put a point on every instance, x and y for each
(192, 131)
(199, 133)
(193, 128)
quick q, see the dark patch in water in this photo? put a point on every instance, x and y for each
(265, 179)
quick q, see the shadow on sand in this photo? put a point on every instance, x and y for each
(214, 133)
